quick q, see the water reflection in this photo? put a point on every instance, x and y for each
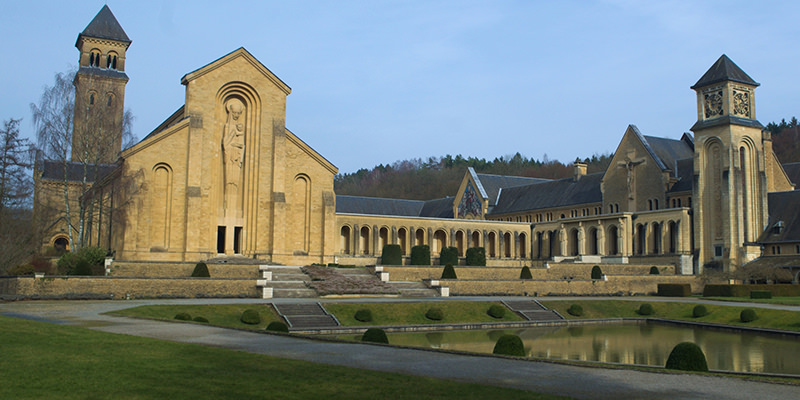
(628, 343)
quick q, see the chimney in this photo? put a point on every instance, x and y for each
(580, 170)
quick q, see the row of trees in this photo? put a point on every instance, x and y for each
(786, 140)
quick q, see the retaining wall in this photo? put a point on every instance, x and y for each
(622, 285)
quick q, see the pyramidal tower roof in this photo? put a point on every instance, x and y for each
(724, 70)
(105, 26)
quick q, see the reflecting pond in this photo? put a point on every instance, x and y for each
(645, 343)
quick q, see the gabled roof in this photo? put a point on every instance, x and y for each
(551, 194)
(685, 175)
(54, 171)
(724, 70)
(668, 151)
(240, 52)
(793, 172)
(105, 26)
(784, 220)
(492, 184)
(438, 208)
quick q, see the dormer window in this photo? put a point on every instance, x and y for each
(94, 58)
(777, 229)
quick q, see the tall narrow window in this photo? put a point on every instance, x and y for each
(237, 240)
(221, 240)
(91, 99)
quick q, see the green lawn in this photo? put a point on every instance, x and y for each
(406, 313)
(729, 315)
(41, 360)
(789, 301)
(227, 315)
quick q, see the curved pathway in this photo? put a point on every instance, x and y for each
(544, 377)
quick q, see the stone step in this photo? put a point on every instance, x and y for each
(353, 271)
(422, 292)
(310, 321)
(293, 293)
(287, 284)
(300, 309)
(280, 276)
(407, 284)
(524, 305)
(541, 315)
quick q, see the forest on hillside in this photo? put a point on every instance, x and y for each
(438, 177)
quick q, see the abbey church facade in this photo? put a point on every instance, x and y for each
(223, 176)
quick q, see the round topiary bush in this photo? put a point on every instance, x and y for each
(597, 273)
(435, 314)
(646, 309)
(251, 317)
(277, 326)
(183, 316)
(747, 315)
(375, 335)
(449, 272)
(699, 311)
(496, 311)
(509, 345)
(654, 270)
(525, 273)
(687, 356)
(202, 320)
(201, 271)
(575, 310)
(363, 315)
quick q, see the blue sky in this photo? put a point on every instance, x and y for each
(378, 81)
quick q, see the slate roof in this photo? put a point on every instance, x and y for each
(685, 175)
(105, 26)
(724, 70)
(439, 208)
(559, 193)
(793, 172)
(669, 151)
(493, 183)
(783, 210)
(54, 170)
(776, 261)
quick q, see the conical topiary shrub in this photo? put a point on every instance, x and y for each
(449, 272)
(525, 273)
(687, 356)
(509, 345)
(201, 271)
(375, 335)
(597, 273)
(654, 270)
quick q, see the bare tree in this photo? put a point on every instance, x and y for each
(15, 191)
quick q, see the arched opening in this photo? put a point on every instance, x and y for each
(363, 240)
(641, 238)
(656, 247)
(492, 244)
(551, 243)
(439, 241)
(344, 240)
(673, 236)
(61, 244)
(592, 241)
(523, 245)
(94, 58)
(460, 243)
(507, 245)
(383, 238)
(572, 242)
(419, 237)
(111, 61)
(539, 245)
(402, 240)
(476, 239)
(612, 241)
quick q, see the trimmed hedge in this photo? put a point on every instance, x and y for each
(421, 255)
(392, 255)
(525, 273)
(778, 290)
(448, 255)
(674, 289)
(250, 317)
(277, 326)
(597, 273)
(496, 311)
(476, 256)
(363, 315)
(201, 271)
(654, 270)
(183, 316)
(761, 294)
(575, 310)
(434, 314)
(687, 356)
(645, 309)
(82, 268)
(203, 320)
(699, 311)
(747, 315)
(449, 272)
(375, 335)
(509, 345)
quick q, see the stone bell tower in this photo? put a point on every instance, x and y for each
(730, 187)
(100, 90)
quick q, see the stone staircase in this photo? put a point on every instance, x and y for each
(306, 316)
(532, 310)
(414, 289)
(278, 281)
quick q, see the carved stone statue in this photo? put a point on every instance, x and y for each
(233, 151)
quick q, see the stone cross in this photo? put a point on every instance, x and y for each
(629, 166)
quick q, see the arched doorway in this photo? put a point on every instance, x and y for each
(383, 238)
(523, 245)
(507, 245)
(439, 241)
(61, 244)
(492, 244)
(344, 241)
(476, 239)
(419, 237)
(593, 237)
(460, 243)
(572, 242)
(363, 240)
(612, 241)
(402, 239)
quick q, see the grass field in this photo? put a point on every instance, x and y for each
(227, 315)
(718, 314)
(789, 301)
(406, 313)
(41, 361)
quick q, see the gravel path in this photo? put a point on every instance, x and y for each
(577, 382)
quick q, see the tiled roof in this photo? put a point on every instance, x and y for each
(669, 151)
(54, 170)
(784, 219)
(105, 26)
(560, 193)
(378, 206)
(724, 70)
(793, 171)
(685, 175)
(493, 183)
(439, 208)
